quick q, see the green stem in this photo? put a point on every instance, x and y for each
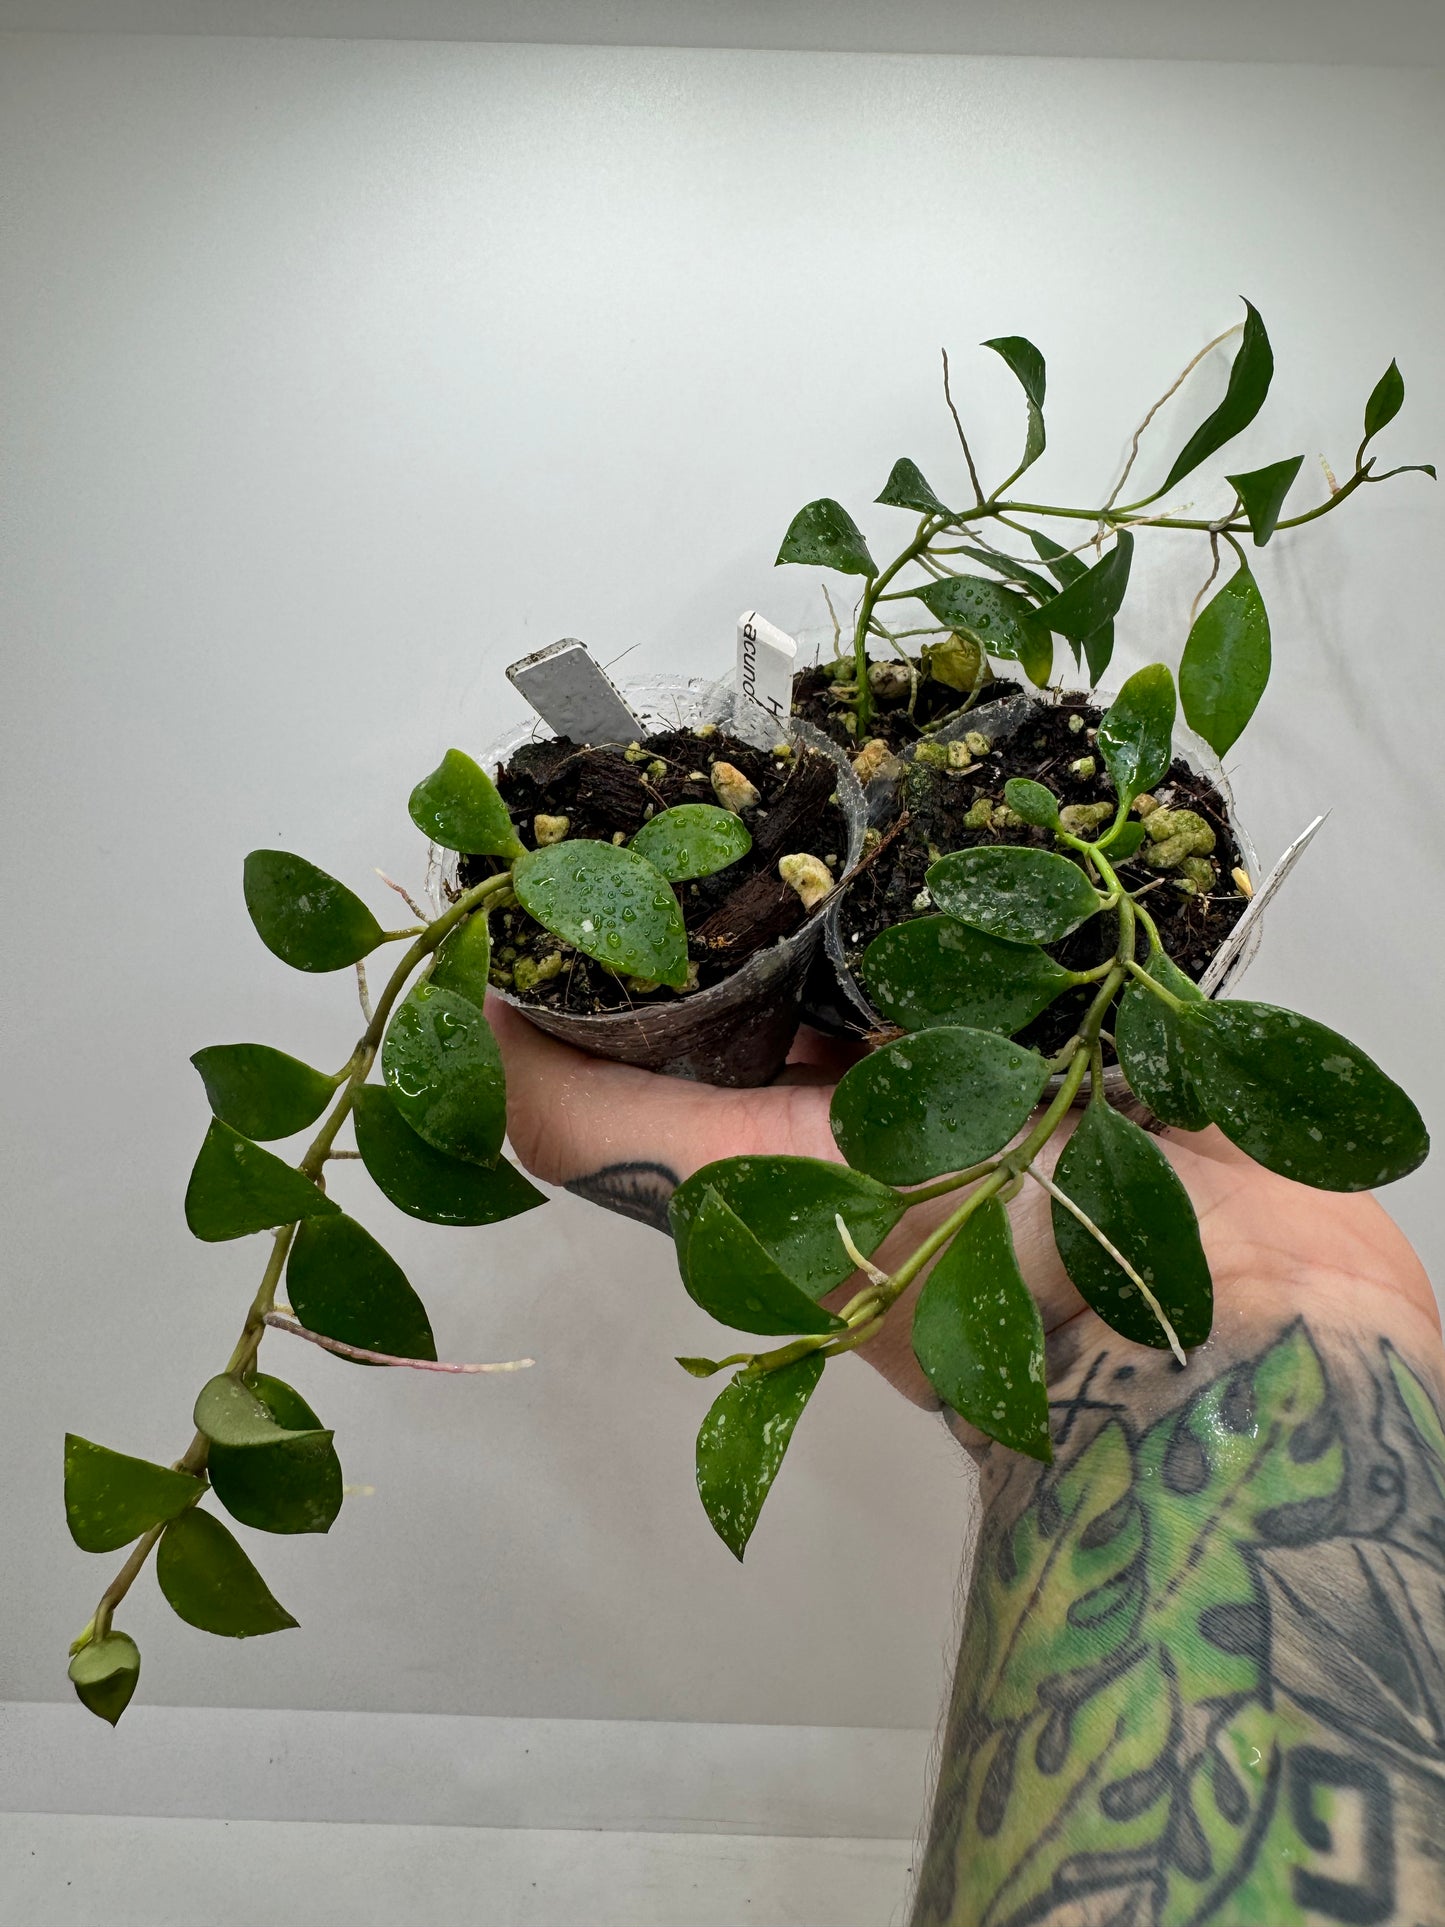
(874, 590)
(193, 1460)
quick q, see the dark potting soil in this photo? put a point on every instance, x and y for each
(937, 802)
(815, 701)
(729, 915)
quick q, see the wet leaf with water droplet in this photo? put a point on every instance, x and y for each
(426, 1183)
(444, 1070)
(727, 1272)
(458, 807)
(305, 917)
(1299, 1098)
(692, 840)
(581, 891)
(464, 960)
(978, 1336)
(1012, 892)
(936, 971)
(1122, 1181)
(935, 1102)
(824, 535)
(789, 1205)
(1136, 737)
(1151, 1049)
(292, 1484)
(741, 1445)
(237, 1188)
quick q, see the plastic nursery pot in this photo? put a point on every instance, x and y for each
(738, 1031)
(1000, 722)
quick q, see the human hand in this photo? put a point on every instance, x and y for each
(625, 1138)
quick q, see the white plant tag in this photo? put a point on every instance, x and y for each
(573, 696)
(765, 665)
(1238, 937)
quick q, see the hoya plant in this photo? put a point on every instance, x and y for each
(955, 1106)
(429, 1131)
(1015, 610)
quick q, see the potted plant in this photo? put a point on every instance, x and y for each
(936, 725)
(956, 1105)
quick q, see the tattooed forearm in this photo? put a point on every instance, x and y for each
(634, 1190)
(1203, 1670)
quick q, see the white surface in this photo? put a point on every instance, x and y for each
(98, 1872)
(647, 1776)
(335, 377)
(1406, 31)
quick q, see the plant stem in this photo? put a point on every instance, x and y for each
(193, 1460)
(872, 590)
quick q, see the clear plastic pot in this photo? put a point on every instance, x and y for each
(736, 1032)
(999, 722)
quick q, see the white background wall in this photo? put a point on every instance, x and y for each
(338, 374)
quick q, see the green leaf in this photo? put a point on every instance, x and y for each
(1005, 565)
(610, 902)
(1387, 398)
(729, 1274)
(1098, 646)
(1262, 491)
(426, 1183)
(105, 1673)
(1124, 842)
(260, 1092)
(304, 916)
(1122, 1181)
(939, 1101)
(464, 959)
(342, 1284)
(692, 840)
(906, 488)
(1093, 598)
(231, 1414)
(935, 971)
(458, 807)
(1136, 737)
(999, 620)
(1419, 1406)
(1010, 891)
(1151, 1049)
(443, 1068)
(1032, 801)
(978, 1337)
(111, 1499)
(237, 1188)
(1065, 567)
(1249, 380)
(1225, 664)
(824, 535)
(1027, 365)
(700, 1367)
(1299, 1098)
(741, 1445)
(790, 1205)
(210, 1583)
(292, 1485)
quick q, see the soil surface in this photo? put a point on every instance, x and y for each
(937, 802)
(815, 701)
(729, 915)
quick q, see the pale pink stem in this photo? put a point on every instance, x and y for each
(281, 1322)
